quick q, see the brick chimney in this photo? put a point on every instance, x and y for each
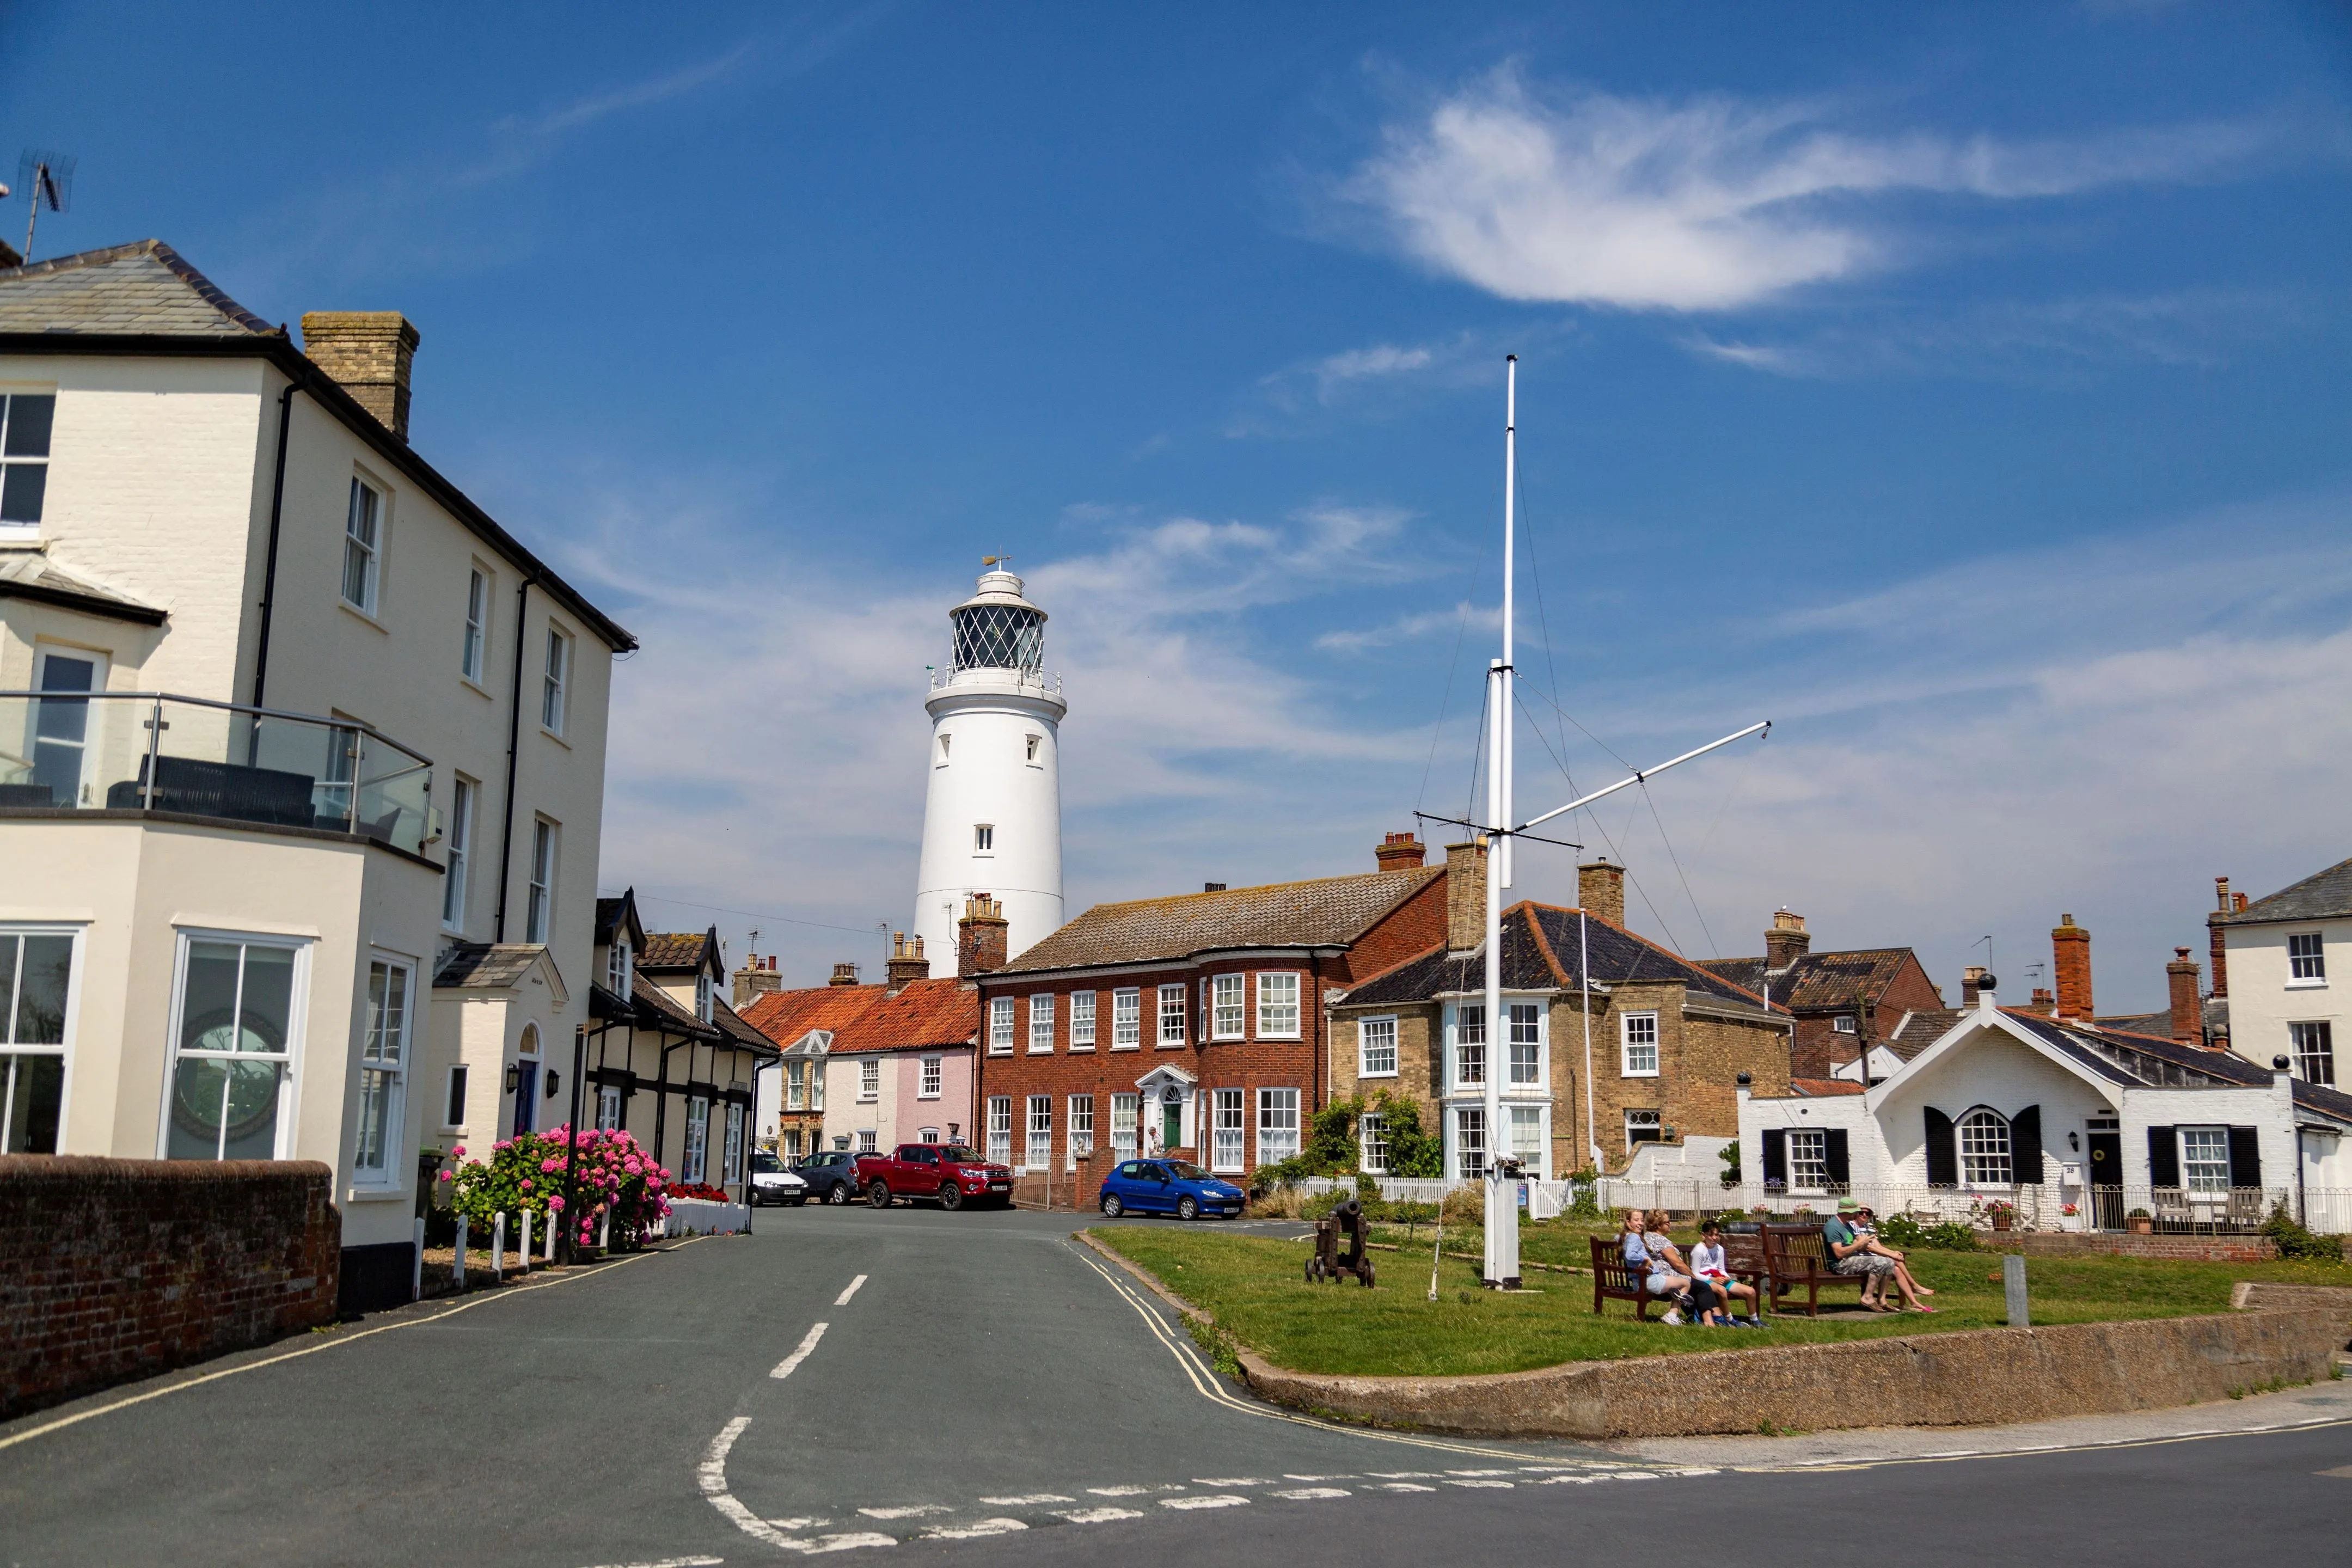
(843, 975)
(2215, 948)
(756, 979)
(1786, 941)
(2188, 1011)
(2070, 952)
(1600, 890)
(907, 963)
(368, 353)
(979, 937)
(2043, 1002)
(1971, 982)
(1400, 852)
(1466, 895)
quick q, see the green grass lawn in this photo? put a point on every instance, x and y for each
(1257, 1290)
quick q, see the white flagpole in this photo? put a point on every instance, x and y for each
(1502, 1259)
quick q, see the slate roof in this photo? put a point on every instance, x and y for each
(676, 949)
(487, 965)
(142, 289)
(2324, 896)
(2158, 1024)
(30, 575)
(926, 1015)
(1919, 1028)
(1818, 982)
(1330, 911)
(1540, 949)
(610, 912)
(2147, 1061)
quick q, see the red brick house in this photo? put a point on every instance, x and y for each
(1192, 1025)
(1847, 1005)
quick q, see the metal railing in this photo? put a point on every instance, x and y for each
(160, 752)
(1045, 683)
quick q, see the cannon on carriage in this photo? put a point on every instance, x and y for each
(1328, 1262)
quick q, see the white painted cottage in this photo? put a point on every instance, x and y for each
(2078, 1125)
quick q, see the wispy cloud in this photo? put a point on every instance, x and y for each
(1410, 628)
(1708, 204)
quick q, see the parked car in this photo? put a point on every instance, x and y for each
(772, 1183)
(1167, 1186)
(945, 1173)
(831, 1175)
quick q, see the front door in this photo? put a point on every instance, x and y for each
(2106, 1175)
(526, 1096)
(1172, 1126)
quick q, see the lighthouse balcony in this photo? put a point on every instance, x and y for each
(1026, 682)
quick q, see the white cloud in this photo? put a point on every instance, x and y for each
(1705, 204)
(1408, 628)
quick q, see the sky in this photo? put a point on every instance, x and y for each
(1962, 389)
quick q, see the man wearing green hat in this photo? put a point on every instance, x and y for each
(1867, 1256)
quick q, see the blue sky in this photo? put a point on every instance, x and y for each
(1964, 390)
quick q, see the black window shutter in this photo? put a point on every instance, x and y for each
(2025, 1145)
(1943, 1151)
(2163, 1158)
(2245, 1157)
(1776, 1154)
(1834, 1155)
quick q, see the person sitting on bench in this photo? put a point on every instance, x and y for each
(1851, 1255)
(1707, 1267)
(1657, 1276)
(1707, 1302)
(1865, 1226)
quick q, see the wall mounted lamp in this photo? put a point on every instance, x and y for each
(514, 1078)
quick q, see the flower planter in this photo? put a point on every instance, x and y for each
(2143, 1225)
(701, 1216)
(2003, 1222)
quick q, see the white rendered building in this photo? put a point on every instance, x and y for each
(992, 819)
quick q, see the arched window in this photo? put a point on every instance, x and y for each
(1984, 1150)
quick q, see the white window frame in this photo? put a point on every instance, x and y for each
(694, 1165)
(730, 1165)
(1376, 1047)
(1279, 1013)
(1081, 1020)
(1638, 1051)
(26, 530)
(2307, 959)
(1278, 1130)
(796, 1077)
(1843, 1023)
(1126, 1121)
(1465, 1120)
(1001, 1129)
(62, 1049)
(1808, 1156)
(2312, 1043)
(866, 1143)
(1172, 1014)
(1041, 1024)
(539, 904)
(1037, 1130)
(1126, 1018)
(555, 688)
(1463, 1021)
(931, 1081)
(928, 1135)
(869, 1080)
(456, 854)
(999, 1025)
(1531, 1148)
(1081, 1125)
(1229, 1127)
(1985, 1148)
(380, 1076)
(619, 961)
(477, 624)
(1226, 1012)
(1525, 1065)
(1372, 1144)
(816, 1086)
(2204, 1137)
(363, 520)
(984, 839)
(608, 1107)
(705, 996)
(289, 1059)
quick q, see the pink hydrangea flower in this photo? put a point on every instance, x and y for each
(556, 1202)
(458, 1153)
(526, 1184)
(447, 1176)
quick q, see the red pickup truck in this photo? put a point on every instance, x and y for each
(947, 1174)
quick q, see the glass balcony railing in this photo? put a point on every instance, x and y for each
(149, 751)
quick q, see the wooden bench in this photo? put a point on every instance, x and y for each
(1614, 1281)
(1796, 1257)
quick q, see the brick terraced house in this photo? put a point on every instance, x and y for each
(1190, 1026)
(1668, 1039)
(1848, 1006)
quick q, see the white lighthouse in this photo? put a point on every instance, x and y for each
(992, 819)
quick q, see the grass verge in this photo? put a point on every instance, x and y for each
(1257, 1290)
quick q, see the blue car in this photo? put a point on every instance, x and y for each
(1167, 1186)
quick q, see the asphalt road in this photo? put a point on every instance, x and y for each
(985, 1388)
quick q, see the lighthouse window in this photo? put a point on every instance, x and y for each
(1034, 742)
(944, 741)
(983, 837)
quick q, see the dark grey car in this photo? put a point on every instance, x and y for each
(831, 1175)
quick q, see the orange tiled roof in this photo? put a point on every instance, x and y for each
(926, 1016)
(1328, 912)
(1822, 1087)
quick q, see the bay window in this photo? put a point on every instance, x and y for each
(693, 1167)
(383, 1060)
(1469, 1045)
(36, 979)
(1228, 1129)
(1278, 1124)
(1277, 1006)
(237, 1025)
(1225, 1004)
(1526, 1020)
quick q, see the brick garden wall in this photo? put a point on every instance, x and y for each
(112, 1269)
(2180, 1248)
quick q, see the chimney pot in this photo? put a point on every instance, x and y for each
(2180, 986)
(979, 937)
(1400, 852)
(843, 975)
(1786, 941)
(1971, 982)
(1600, 889)
(1212, 887)
(1466, 895)
(907, 963)
(2044, 1003)
(368, 353)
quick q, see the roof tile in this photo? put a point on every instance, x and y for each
(1330, 911)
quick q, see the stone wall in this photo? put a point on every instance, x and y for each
(111, 1270)
(1971, 1377)
(2122, 1244)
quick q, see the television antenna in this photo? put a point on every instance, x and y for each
(47, 178)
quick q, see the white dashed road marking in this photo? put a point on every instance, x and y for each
(1233, 1480)
(1097, 1515)
(1405, 1487)
(1226, 1500)
(672, 1563)
(1312, 1494)
(974, 1532)
(842, 1300)
(1504, 1486)
(786, 1367)
(1028, 1500)
(910, 1510)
